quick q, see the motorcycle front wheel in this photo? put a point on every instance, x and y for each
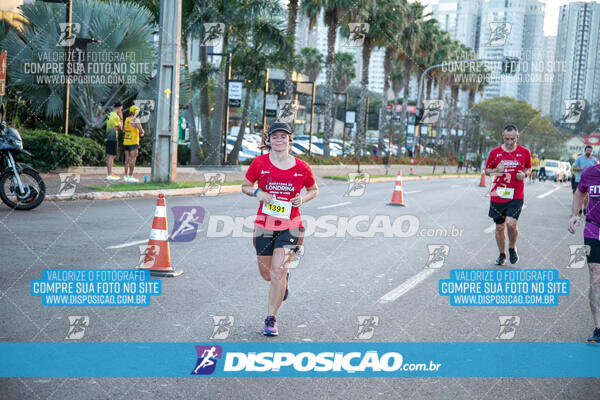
(34, 189)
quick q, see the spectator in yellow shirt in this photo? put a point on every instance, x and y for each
(131, 142)
(113, 126)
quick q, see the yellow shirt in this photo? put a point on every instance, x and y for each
(543, 163)
(535, 162)
(132, 135)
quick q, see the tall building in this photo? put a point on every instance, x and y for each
(317, 38)
(545, 93)
(577, 72)
(461, 19)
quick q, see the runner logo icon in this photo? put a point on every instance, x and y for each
(437, 255)
(207, 359)
(578, 255)
(187, 220)
(508, 326)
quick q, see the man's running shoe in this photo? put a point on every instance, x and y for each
(513, 256)
(287, 283)
(112, 177)
(270, 326)
(501, 259)
(595, 338)
(132, 179)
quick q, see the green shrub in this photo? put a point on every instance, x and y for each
(53, 150)
(183, 154)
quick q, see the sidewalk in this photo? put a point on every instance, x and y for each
(94, 176)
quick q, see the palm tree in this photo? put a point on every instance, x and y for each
(410, 36)
(266, 41)
(332, 10)
(344, 73)
(98, 20)
(397, 81)
(292, 14)
(312, 61)
(391, 52)
(240, 15)
(382, 19)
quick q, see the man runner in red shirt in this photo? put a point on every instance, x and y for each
(509, 164)
(278, 224)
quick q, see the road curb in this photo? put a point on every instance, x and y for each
(133, 194)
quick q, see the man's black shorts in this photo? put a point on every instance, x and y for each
(266, 241)
(111, 147)
(574, 184)
(499, 211)
(594, 254)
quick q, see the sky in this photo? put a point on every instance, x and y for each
(551, 17)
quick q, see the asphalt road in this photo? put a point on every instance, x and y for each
(340, 277)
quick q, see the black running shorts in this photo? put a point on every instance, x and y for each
(111, 147)
(266, 241)
(499, 211)
(594, 254)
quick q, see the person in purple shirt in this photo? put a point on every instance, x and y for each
(589, 184)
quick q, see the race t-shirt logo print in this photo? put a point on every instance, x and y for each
(207, 359)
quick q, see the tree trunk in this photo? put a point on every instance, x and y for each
(364, 92)
(429, 87)
(189, 112)
(335, 112)
(454, 91)
(404, 115)
(291, 27)
(440, 89)
(332, 22)
(204, 107)
(215, 144)
(237, 146)
(194, 144)
(387, 69)
(391, 132)
(471, 98)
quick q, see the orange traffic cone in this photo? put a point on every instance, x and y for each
(397, 198)
(158, 255)
(482, 180)
(412, 163)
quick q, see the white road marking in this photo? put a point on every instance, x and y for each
(120, 246)
(548, 193)
(335, 205)
(414, 191)
(492, 227)
(406, 286)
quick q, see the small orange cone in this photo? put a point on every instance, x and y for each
(158, 255)
(398, 196)
(412, 163)
(482, 180)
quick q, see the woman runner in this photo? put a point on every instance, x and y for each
(278, 225)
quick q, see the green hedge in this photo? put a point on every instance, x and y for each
(53, 150)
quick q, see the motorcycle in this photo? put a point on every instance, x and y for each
(21, 187)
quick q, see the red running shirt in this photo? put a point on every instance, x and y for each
(283, 185)
(506, 187)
